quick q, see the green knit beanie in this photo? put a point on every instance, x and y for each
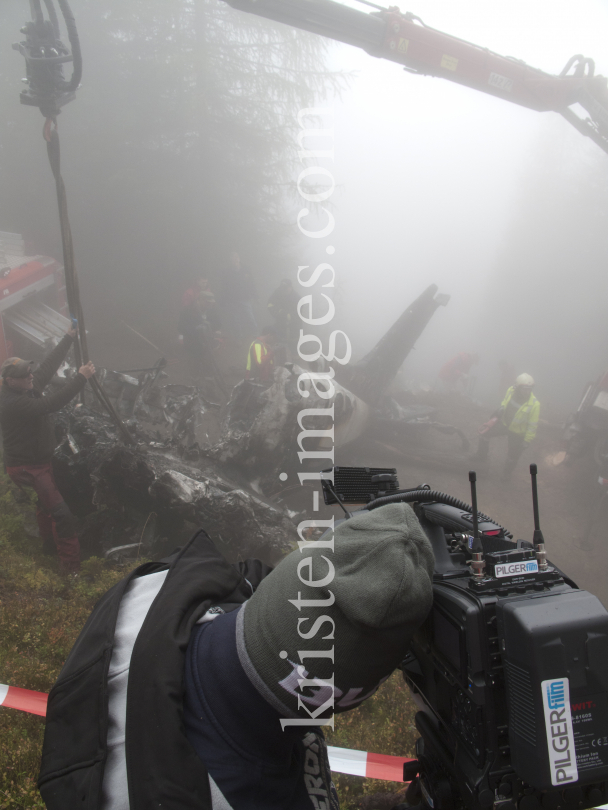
(328, 625)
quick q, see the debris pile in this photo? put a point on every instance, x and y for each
(152, 496)
(188, 469)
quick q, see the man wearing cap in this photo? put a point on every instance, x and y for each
(28, 441)
(228, 672)
(517, 419)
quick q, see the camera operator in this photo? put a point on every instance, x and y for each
(217, 674)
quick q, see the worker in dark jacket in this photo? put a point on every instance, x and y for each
(28, 440)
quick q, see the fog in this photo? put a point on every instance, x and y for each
(504, 208)
(180, 149)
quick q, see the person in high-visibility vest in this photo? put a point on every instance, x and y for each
(517, 419)
(260, 358)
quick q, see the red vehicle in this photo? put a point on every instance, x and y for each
(33, 306)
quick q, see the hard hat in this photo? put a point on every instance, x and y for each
(525, 379)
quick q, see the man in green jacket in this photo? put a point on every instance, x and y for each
(517, 419)
(28, 441)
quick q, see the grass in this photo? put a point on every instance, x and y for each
(384, 724)
(41, 615)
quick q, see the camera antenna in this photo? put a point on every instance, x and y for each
(478, 564)
(538, 540)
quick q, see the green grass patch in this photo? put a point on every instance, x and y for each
(41, 615)
(384, 724)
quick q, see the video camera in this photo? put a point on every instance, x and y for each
(510, 669)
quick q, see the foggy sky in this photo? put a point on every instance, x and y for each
(504, 208)
(432, 177)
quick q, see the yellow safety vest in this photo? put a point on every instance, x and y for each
(526, 418)
(256, 367)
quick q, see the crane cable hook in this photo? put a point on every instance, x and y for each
(47, 89)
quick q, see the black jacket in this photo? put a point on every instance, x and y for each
(27, 430)
(163, 769)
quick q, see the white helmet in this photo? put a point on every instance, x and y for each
(525, 380)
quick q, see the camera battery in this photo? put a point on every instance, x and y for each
(555, 654)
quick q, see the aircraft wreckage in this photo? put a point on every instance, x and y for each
(150, 496)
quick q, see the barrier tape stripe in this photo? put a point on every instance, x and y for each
(24, 699)
(341, 760)
(363, 763)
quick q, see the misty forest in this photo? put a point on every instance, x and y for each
(242, 194)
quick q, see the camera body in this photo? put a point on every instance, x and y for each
(509, 672)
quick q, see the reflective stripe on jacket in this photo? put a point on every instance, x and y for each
(526, 418)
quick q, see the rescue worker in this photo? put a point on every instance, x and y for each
(517, 419)
(28, 440)
(261, 357)
(282, 306)
(203, 696)
(455, 373)
(192, 293)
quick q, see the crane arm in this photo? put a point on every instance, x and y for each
(403, 38)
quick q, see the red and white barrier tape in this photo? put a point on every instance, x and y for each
(341, 760)
(25, 699)
(362, 763)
